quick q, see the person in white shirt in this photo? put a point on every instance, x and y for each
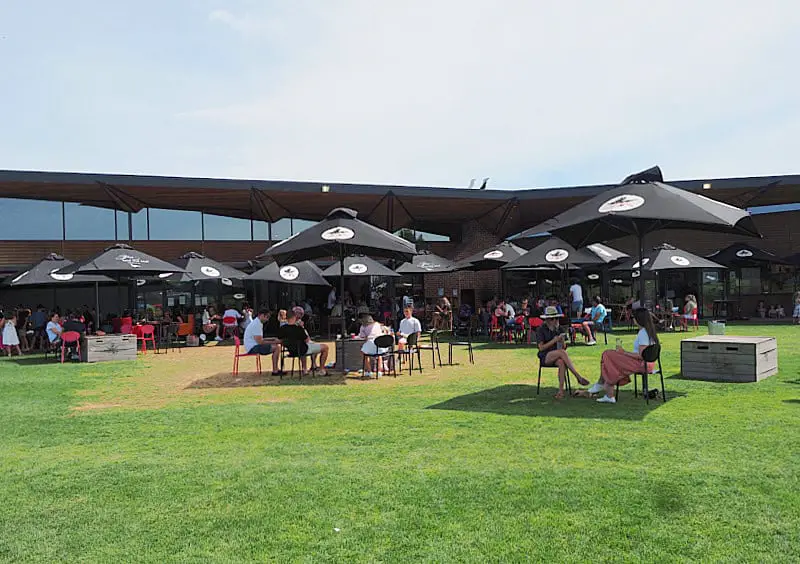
(576, 299)
(331, 298)
(408, 326)
(209, 327)
(54, 329)
(255, 343)
(231, 313)
(616, 366)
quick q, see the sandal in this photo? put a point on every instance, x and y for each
(582, 381)
(322, 372)
(559, 396)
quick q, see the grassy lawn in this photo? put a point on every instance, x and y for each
(170, 459)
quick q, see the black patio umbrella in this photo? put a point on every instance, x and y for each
(667, 257)
(605, 253)
(339, 235)
(304, 272)
(426, 263)
(197, 267)
(359, 266)
(742, 254)
(45, 273)
(494, 257)
(121, 261)
(554, 253)
(640, 205)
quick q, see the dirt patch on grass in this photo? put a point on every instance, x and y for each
(91, 406)
(228, 380)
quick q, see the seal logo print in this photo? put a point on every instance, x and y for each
(210, 271)
(357, 268)
(621, 203)
(556, 255)
(496, 254)
(679, 260)
(60, 277)
(132, 261)
(289, 272)
(744, 253)
(338, 233)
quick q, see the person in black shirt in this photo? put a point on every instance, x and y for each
(73, 323)
(299, 344)
(552, 349)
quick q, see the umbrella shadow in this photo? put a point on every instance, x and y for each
(254, 380)
(36, 360)
(521, 399)
(795, 401)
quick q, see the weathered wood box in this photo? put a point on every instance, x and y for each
(108, 347)
(729, 358)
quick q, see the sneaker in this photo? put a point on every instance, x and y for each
(595, 389)
(606, 399)
(380, 374)
(367, 374)
(592, 342)
(218, 339)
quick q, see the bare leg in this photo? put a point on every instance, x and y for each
(276, 357)
(562, 376)
(562, 354)
(323, 356)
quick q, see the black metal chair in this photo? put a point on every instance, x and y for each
(291, 350)
(651, 353)
(431, 344)
(566, 376)
(605, 327)
(410, 350)
(384, 342)
(464, 343)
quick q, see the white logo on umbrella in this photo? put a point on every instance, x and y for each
(132, 261)
(238, 296)
(493, 255)
(635, 274)
(289, 272)
(644, 262)
(679, 260)
(556, 255)
(357, 268)
(617, 281)
(226, 281)
(210, 271)
(338, 233)
(593, 277)
(165, 275)
(20, 277)
(141, 282)
(600, 250)
(60, 277)
(428, 265)
(744, 253)
(621, 203)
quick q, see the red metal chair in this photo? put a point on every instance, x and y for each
(229, 325)
(146, 333)
(495, 331)
(533, 324)
(69, 338)
(237, 354)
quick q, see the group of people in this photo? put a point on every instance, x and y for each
(616, 366)
(372, 329)
(23, 330)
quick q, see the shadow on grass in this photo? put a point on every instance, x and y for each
(252, 379)
(521, 399)
(796, 401)
(37, 360)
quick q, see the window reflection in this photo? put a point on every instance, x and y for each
(30, 219)
(221, 228)
(175, 225)
(88, 223)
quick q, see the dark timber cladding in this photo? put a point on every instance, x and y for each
(437, 210)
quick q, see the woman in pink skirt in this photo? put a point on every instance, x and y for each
(617, 366)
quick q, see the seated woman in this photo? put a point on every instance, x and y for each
(371, 330)
(552, 349)
(281, 317)
(210, 328)
(617, 366)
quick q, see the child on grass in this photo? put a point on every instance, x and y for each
(10, 336)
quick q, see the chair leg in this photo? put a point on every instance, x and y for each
(635, 391)
(439, 354)
(539, 380)
(471, 357)
(419, 360)
(661, 373)
(644, 388)
(258, 364)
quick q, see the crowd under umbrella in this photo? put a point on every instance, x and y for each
(200, 268)
(359, 266)
(301, 273)
(340, 235)
(496, 256)
(554, 253)
(426, 263)
(642, 204)
(119, 262)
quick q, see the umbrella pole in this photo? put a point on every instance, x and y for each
(641, 271)
(96, 306)
(341, 301)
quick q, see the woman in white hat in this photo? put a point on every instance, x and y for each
(552, 349)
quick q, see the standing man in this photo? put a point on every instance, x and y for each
(576, 299)
(255, 343)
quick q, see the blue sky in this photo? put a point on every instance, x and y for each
(528, 93)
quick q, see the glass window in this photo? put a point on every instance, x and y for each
(750, 282)
(89, 223)
(260, 231)
(139, 226)
(30, 219)
(299, 225)
(174, 225)
(282, 229)
(221, 228)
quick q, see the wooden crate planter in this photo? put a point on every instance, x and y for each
(108, 347)
(729, 358)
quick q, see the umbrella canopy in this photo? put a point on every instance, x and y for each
(643, 204)
(605, 253)
(494, 257)
(198, 267)
(426, 263)
(341, 234)
(359, 266)
(45, 273)
(667, 257)
(305, 272)
(554, 253)
(122, 261)
(742, 254)
(794, 259)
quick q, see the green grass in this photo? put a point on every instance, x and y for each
(459, 464)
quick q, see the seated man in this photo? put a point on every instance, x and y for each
(54, 329)
(552, 349)
(409, 325)
(74, 324)
(505, 312)
(299, 344)
(256, 343)
(597, 317)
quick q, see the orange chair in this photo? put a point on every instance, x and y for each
(229, 325)
(67, 339)
(146, 333)
(237, 354)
